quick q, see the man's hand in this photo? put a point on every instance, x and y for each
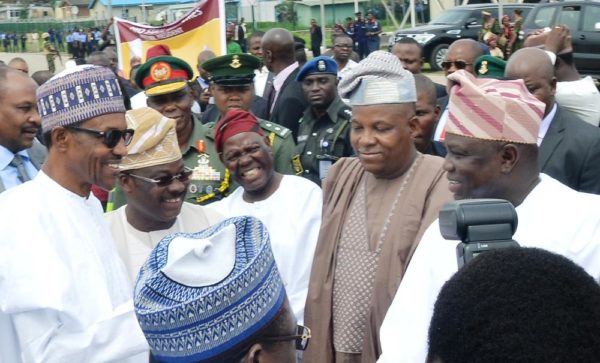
(558, 40)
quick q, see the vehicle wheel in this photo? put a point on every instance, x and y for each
(438, 55)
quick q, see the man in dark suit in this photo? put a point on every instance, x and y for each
(461, 55)
(316, 38)
(569, 147)
(285, 96)
(21, 155)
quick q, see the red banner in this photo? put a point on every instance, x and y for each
(201, 29)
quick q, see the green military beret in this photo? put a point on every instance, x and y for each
(488, 66)
(232, 69)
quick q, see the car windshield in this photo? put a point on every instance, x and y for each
(451, 17)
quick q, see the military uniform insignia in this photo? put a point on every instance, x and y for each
(297, 165)
(203, 171)
(160, 71)
(321, 66)
(484, 67)
(235, 63)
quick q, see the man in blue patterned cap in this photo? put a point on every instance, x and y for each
(217, 296)
(324, 130)
(64, 292)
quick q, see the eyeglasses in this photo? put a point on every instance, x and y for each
(459, 64)
(165, 181)
(111, 137)
(302, 337)
(344, 46)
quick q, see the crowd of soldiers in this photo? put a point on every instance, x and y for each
(259, 210)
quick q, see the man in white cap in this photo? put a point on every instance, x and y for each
(376, 206)
(154, 181)
(217, 296)
(491, 139)
(64, 292)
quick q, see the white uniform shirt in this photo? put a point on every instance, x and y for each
(292, 216)
(64, 293)
(581, 97)
(553, 217)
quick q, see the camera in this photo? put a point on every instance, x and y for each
(480, 224)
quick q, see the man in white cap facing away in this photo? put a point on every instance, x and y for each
(64, 292)
(154, 181)
(217, 296)
(376, 206)
(491, 138)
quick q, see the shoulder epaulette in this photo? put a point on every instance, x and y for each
(279, 130)
(345, 113)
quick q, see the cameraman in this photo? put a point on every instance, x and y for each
(492, 153)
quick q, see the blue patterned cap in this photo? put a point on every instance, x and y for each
(203, 296)
(78, 94)
(320, 65)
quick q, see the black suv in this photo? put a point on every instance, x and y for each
(453, 24)
(583, 18)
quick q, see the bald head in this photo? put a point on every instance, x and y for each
(278, 49)
(98, 58)
(534, 67)
(19, 64)
(40, 77)
(465, 50)
(203, 56)
(529, 60)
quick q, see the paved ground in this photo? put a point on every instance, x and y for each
(36, 61)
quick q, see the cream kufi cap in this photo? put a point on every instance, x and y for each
(154, 141)
(378, 79)
(492, 109)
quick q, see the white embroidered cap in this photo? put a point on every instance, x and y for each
(378, 79)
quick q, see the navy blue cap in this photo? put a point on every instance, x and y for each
(321, 65)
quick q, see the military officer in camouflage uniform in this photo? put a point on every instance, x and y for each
(324, 132)
(164, 80)
(50, 52)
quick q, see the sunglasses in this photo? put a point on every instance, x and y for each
(165, 181)
(110, 138)
(457, 64)
(301, 338)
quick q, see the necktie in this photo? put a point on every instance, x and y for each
(271, 98)
(17, 162)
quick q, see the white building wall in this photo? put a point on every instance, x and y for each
(263, 10)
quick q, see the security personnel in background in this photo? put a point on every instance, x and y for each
(324, 131)
(360, 36)
(50, 52)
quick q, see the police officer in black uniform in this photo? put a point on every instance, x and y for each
(324, 131)
(360, 36)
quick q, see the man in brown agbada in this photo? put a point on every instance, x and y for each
(376, 207)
